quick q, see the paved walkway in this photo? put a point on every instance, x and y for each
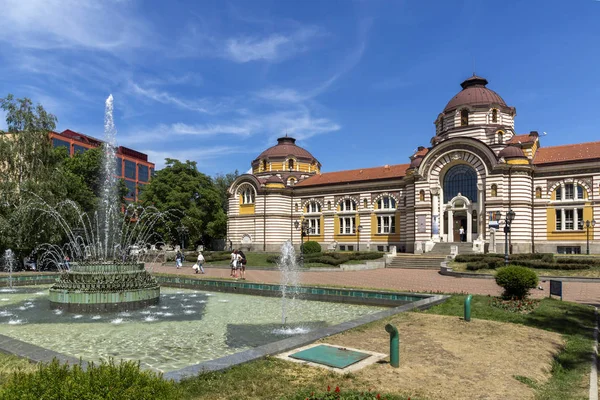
(415, 280)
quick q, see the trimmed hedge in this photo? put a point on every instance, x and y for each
(311, 247)
(333, 258)
(516, 281)
(537, 261)
(104, 381)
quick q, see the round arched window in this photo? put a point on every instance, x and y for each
(460, 179)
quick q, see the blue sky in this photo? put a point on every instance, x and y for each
(358, 83)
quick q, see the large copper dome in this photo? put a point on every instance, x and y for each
(286, 146)
(475, 93)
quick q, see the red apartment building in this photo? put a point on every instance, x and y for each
(132, 166)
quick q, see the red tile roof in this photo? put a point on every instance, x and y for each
(569, 152)
(525, 138)
(356, 175)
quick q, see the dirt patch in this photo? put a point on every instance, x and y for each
(443, 357)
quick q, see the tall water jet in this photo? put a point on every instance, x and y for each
(289, 273)
(9, 263)
(104, 274)
(109, 182)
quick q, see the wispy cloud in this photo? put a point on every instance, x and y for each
(47, 24)
(202, 105)
(202, 156)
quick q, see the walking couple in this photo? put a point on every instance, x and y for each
(238, 263)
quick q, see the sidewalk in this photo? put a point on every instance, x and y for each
(415, 280)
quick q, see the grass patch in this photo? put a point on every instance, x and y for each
(10, 364)
(575, 322)
(592, 272)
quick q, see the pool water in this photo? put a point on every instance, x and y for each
(187, 326)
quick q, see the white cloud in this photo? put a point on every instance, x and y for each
(163, 97)
(273, 48)
(48, 24)
(251, 49)
(200, 154)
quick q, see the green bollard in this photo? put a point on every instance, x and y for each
(394, 345)
(468, 307)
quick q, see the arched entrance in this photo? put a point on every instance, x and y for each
(460, 196)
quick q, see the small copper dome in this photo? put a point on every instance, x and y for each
(285, 147)
(474, 93)
(511, 152)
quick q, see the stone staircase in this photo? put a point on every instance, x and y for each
(444, 248)
(420, 261)
(430, 260)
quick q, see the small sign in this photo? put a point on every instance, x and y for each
(556, 288)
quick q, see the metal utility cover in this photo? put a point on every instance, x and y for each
(331, 356)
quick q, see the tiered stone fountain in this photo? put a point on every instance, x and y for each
(105, 274)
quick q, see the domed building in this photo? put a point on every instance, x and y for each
(456, 192)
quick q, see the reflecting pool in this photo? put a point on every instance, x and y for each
(186, 327)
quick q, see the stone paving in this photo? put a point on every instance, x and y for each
(415, 280)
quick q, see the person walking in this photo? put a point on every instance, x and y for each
(178, 259)
(461, 232)
(242, 264)
(233, 264)
(199, 263)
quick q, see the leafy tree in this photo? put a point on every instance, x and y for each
(223, 182)
(181, 188)
(30, 170)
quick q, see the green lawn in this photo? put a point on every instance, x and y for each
(593, 272)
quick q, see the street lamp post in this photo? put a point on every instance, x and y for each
(183, 230)
(589, 224)
(358, 229)
(510, 216)
(304, 230)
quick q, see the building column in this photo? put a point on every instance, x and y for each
(435, 214)
(469, 225)
(562, 219)
(450, 226)
(480, 213)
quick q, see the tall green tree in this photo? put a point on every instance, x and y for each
(30, 170)
(181, 188)
(223, 182)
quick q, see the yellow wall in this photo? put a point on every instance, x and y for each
(278, 166)
(518, 161)
(246, 209)
(553, 234)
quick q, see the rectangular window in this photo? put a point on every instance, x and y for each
(350, 248)
(130, 189)
(579, 192)
(342, 248)
(129, 169)
(60, 143)
(314, 226)
(386, 224)
(142, 173)
(119, 167)
(152, 172)
(569, 220)
(569, 191)
(558, 219)
(140, 189)
(580, 219)
(559, 193)
(568, 249)
(78, 149)
(379, 248)
(347, 225)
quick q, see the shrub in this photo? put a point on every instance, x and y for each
(312, 247)
(476, 265)
(516, 281)
(103, 381)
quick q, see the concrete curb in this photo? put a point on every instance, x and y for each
(594, 372)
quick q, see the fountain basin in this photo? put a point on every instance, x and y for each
(104, 287)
